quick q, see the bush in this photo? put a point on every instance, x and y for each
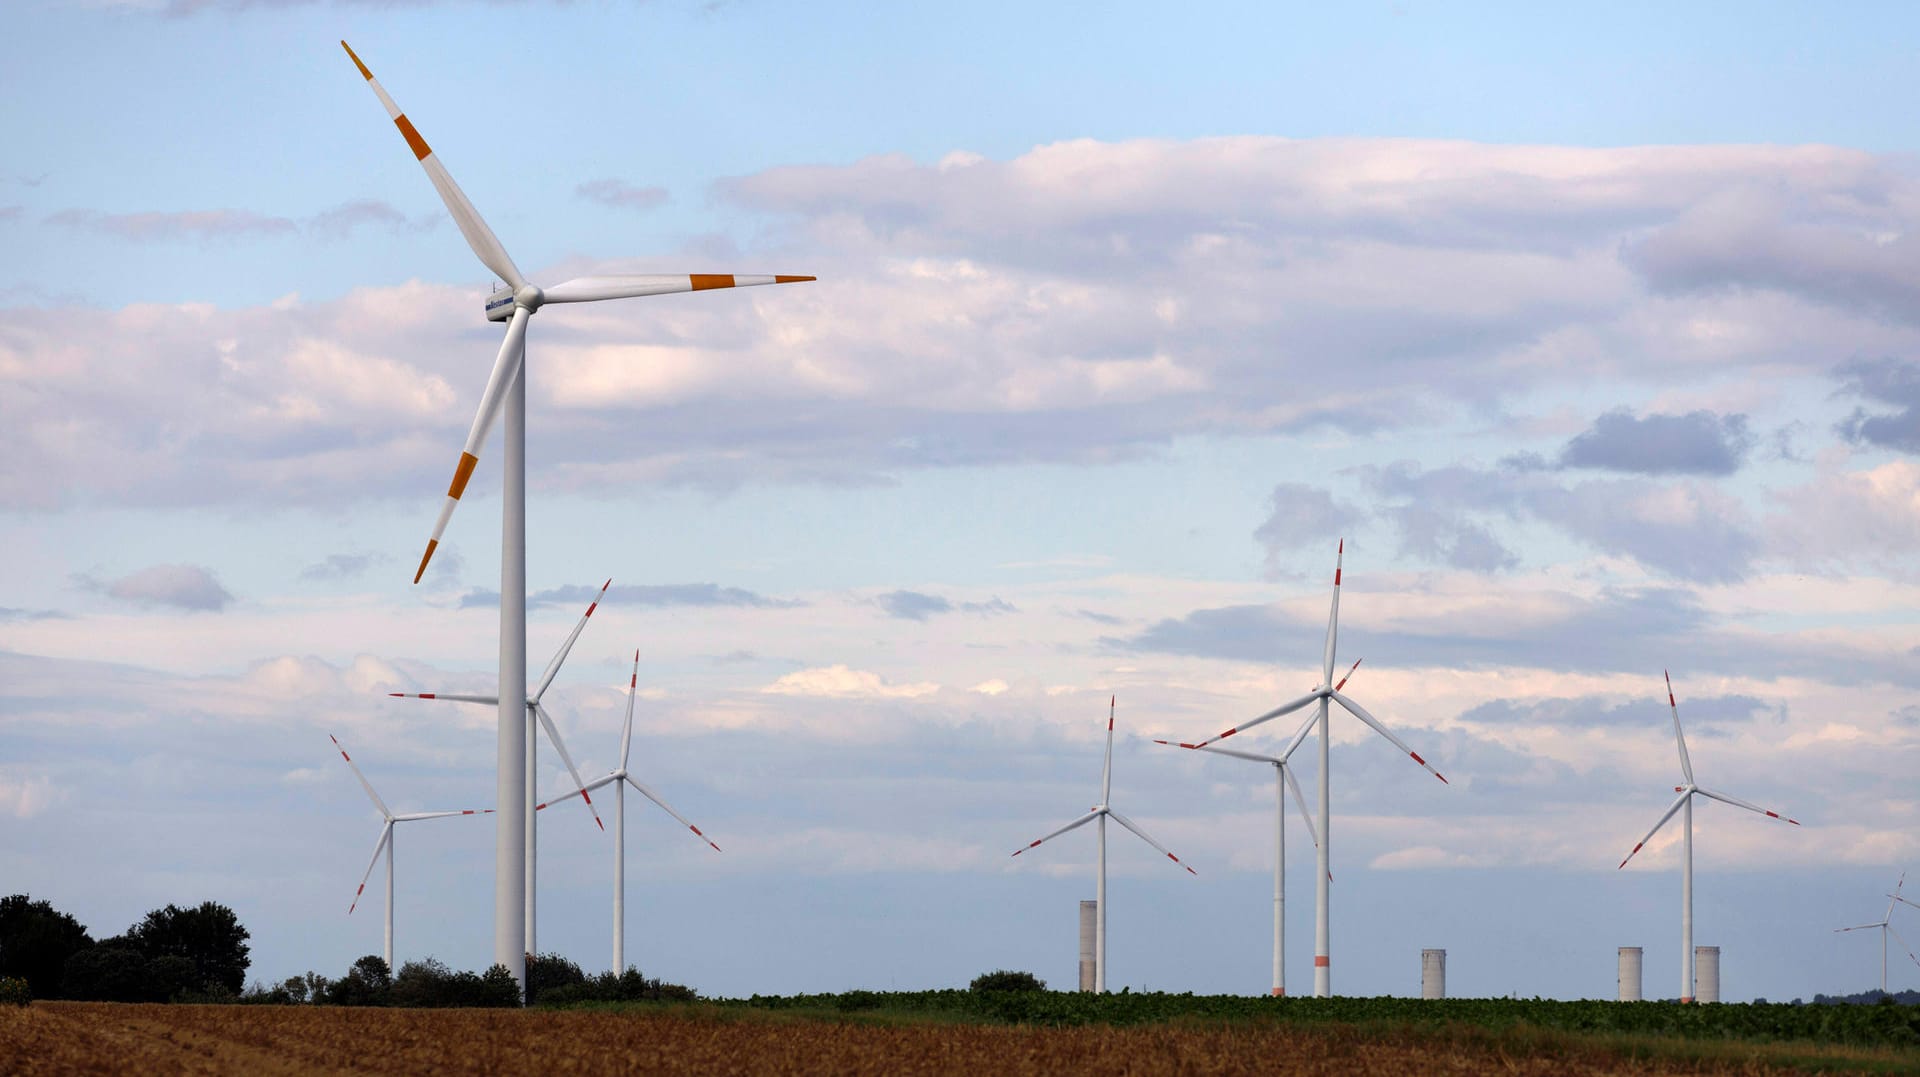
(14, 991)
(109, 972)
(429, 983)
(367, 983)
(35, 941)
(551, 972)
(628, 986)
(1006, 980)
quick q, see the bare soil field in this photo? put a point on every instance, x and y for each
(106, 1038)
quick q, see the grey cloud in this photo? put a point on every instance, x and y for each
(10, 213)
(341, 221)
(1697, 443)
(339, 566)
(916, 606)
(1301, 515)
(622, 195)
(186, 587)
(14, 613)
(1891, 383)
(160, 227)
(645, 595)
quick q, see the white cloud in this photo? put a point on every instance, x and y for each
(993, 687)
(839, 682)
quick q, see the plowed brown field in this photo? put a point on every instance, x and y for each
(101, 1038)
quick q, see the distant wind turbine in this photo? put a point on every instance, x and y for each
(620, 779)
(506, 395)
(1328, 691)
(1283, 783)
(1101, 812)
(1885, 924)
(386, 842)
(536, 715)
(1685, 804)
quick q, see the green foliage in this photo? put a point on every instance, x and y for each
(14, 991)
(430, 983)
(1893, 1026)
(1007, 980)
(551, 972)
(209, 937)
(36, 940)
(628, 986)
(112, 971)
(367, 983)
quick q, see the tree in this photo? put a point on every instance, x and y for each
(550, 972)
(208, 936)
(35, 941)
(1006, 980)
(112, 971)
(367, 983)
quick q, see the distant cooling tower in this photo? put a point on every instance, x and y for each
(1433, 974)
(1706, 974)
(1089, 915)
(1630, 974)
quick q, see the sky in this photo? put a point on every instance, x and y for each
(1594, 333)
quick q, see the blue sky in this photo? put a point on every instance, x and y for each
(1593, 333)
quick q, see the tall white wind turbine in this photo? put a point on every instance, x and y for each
(1885, 924)
(1101, 812)
(619, 778)
(1684, 805)
(536, 717)
(386, 842)
(506, 393)
(1283, 783)
(1328, 692)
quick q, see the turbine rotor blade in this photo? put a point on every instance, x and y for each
(1738, 803)
(386, 832)
(1682, 799)
(1300, 798)
(506, 366)
(1903, 944)
(1333, 615)
(560, 656)
(418, 815)
(1142, 835)
(553, 734)
(665, 807)
(1080, 822)
(1360, 712)
(364, 783)
(478, 235)
(593, 289)
(604, 779)
(1106, 769)
(451, 697)
(1300, 735)
(1860, 927)
(1686, 765)
(1349, 676)
(1283, 709)
(1267, 759)
(626, 730)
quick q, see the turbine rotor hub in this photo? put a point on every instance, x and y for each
(529, 297)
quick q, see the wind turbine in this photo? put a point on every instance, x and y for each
(1283, 783)
(386, 842)
(1684, 803)
(536, 715)
(506, 392)
(1101, 812)
(1885, 924)
(620, 779)
(1324, 694)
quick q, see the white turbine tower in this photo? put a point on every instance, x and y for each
(1684, 804)
(1101, 812)
(536, 716)
(620, 779)
(1885, 924)
(386, 842)
(1283, 783)
(1326, 693)
(506, 392)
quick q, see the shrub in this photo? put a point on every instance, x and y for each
(14, 991)
(551, 972)
(109, 972)
(1006, 980)
(367, 983)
